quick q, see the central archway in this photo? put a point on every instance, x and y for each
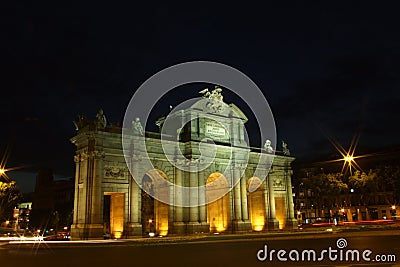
(154, 213)
(218, 211)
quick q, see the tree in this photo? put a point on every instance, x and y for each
(325, 186)
(9, 198)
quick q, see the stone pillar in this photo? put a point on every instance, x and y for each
(75, 226)
(272, 223)
(82, 192)
(179, 225)
(245, 210)
(237, 196)
(291, 221)
(193, 224)
(205, 227)
(77, 161)
(97, 198)
(240, 202)
(89, 204)
(134, 224)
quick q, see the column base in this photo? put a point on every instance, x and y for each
(292, 224)
(241, 226)
(204, 227)
(179, 228)
(133, 229)
(272, 224)
(195, 228)
(82, 231)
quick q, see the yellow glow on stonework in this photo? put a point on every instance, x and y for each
(161, 211)
(118, 234)
(117, 213)
(280, 211)
(258, 228)
(256, 203)
(218, 209)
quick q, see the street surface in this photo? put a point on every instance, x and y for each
(223, 250)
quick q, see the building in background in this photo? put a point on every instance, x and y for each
(52, 201)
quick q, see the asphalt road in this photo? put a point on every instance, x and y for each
(218, 251)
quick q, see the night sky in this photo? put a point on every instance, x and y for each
(326, 69)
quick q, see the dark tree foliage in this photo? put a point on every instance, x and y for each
(9, 198)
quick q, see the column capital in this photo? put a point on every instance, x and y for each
(97, 154)
(77, 158)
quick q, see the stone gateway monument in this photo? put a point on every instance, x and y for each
(218, 184)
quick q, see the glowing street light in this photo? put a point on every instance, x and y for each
(348, 159)
(393, 207)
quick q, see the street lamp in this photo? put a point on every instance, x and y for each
(348, 158)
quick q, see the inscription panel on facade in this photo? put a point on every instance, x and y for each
(215, 130)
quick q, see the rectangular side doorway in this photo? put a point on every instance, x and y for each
(114, 214)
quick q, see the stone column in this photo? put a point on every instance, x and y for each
(291, 222)
(179, 225)
(75, 226)
(205, 226)
(94, 196)
(202, 197)
(272, 222)
(193, 225)
(245, 211)
(83, 175)
(134, 225)
(237, 195)
(77, 161)
(241, 222)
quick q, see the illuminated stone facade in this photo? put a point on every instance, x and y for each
(109, 201)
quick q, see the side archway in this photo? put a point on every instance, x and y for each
(154, 213)
(256, 203)
(218, 202)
